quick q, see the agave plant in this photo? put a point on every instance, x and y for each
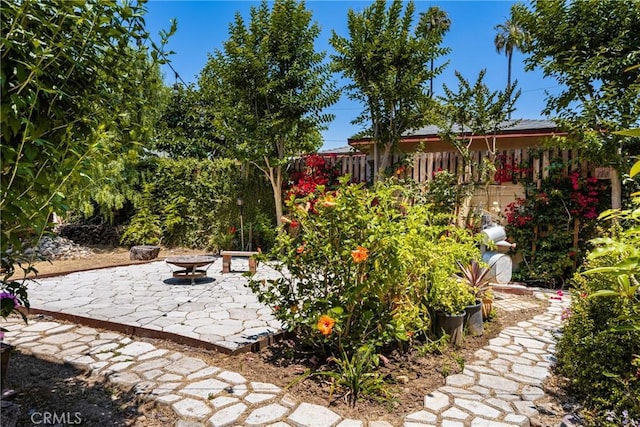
(477, 277)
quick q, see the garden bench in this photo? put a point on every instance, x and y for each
(226, 259)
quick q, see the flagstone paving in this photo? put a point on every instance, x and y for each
(499, 389)
(219, 310)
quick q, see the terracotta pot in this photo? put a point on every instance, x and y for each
(487, 306)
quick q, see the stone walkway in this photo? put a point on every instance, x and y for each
(219, 310)
(500, 389)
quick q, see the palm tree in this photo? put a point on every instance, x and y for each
(511, 35)
(434, 23)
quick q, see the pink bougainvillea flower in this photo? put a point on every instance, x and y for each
(325, 325)
(360, 254)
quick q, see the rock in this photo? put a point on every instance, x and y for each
(144, 253)
(570, 421)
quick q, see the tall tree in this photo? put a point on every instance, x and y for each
(510, 35)
(270, 86)
(75, 80)
(587, 46)
(434, 23)
(387, 60)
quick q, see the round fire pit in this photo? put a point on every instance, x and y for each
(191, 266)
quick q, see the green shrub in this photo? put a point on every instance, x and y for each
(599, 350)
(544, 223)
(193, 203)
(357, 265)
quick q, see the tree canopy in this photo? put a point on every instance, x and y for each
(587, 46)
(387, 60)
(76, 80)
(270, 87)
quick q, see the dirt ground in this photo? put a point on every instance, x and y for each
(43, 384)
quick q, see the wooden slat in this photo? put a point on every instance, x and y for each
(430, 168)
(423, 167)
(545, 164)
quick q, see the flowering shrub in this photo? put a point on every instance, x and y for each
(358, 268)
(599, 350)
(316, 172)
(544, 224)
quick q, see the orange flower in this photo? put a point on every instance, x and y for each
(360, 254)
(300, 250)
(329, 201)
(325, 325)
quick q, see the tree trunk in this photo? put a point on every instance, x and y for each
(616, 189)
(275, 178)
(383, 163)
(509, 78)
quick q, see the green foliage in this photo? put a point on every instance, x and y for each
(444, 193)
(269, 87)
(475, 110)
(477, 277)
(355, 376)
(599, 350)
(544, 224)
(591, 49)
(67, 117)
(357, 266)
(387, 62)
(186, 127)
(145, 228)
(449, 295)
(192, 202)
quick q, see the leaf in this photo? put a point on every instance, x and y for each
(635, 169)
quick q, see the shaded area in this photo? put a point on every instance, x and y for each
(46, 390)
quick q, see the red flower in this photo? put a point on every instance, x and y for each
(232, 230)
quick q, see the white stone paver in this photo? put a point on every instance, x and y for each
(499, 389)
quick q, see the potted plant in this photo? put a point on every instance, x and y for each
(477, 278)
(448, 298)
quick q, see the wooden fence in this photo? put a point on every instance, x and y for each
(511, 165)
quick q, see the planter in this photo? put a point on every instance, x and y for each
(5, 354)
(487, 306)
(473, 319)
(452, 325)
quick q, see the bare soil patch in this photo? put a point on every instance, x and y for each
(411, 376)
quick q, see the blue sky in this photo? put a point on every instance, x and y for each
(203, 27)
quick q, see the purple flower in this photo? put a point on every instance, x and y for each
(9, 295)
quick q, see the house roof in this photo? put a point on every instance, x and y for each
(347, 149)
(518, 125)
(512, 134)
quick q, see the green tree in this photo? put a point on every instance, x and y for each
(75, 79)
(434, 23)
(270, 86)
(510, 35)
(586, 46)
(186, 128)
(387, 62)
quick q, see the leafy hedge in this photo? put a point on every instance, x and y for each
(193, 203)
